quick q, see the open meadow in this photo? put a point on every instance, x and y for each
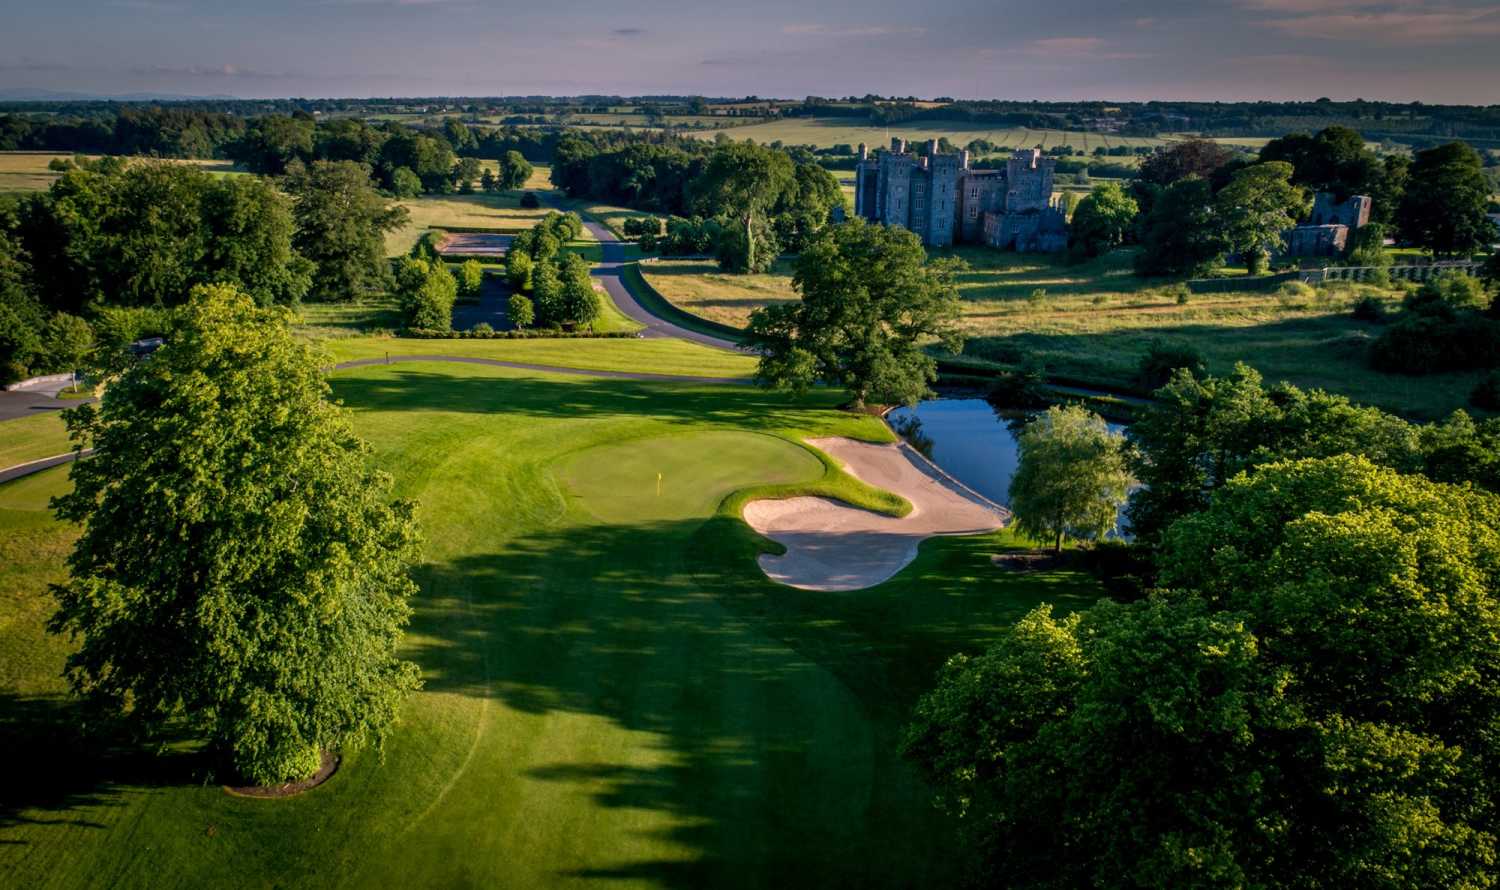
(613, 691)
(1093, 322)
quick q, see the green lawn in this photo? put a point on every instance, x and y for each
(655, 356)
(614, 694)
(26, 171)
(38, 435)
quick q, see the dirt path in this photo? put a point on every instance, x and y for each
(834, 546)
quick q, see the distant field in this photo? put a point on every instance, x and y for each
(26, 171)
(827, 131)
(1095, 321)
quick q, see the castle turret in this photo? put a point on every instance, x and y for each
(963, 159)
(898, 145)
(864, 152)
(932, 148)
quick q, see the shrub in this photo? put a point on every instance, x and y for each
(1486, 395)
(1296, 290)
(1420, 343)
(1368, 308)
(520, 311)
(470, 277)
(484, 327)
(1020, 389)
(530, 201)
(1163, 359)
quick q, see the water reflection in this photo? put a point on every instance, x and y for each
(969, 439)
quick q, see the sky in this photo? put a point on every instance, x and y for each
(1447, 51)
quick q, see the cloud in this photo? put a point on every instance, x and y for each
(1377, 22)
(33, 65)
(215, 71)
(1081, 47)
(628, 32)
(850, 30)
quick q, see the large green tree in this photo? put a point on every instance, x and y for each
(1446, 197)
(1181, 236)
(1256, 208)
(341, 223)
(1102, 220)
(744, 181)
(230, 519)
(143, 233)
(1312, 705)
(870, 302)
(1072, 480)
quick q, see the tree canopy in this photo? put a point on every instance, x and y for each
(1257, 207)
(1101, 220)
(341, 221)
(1445, 202)
(1309, 705)
(1072, 480)
(262, 561)
(869, 301)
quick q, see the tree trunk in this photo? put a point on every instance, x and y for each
(1058, 548)
(749, 242)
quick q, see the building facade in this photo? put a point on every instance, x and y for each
(1327, 231)
(939, 198)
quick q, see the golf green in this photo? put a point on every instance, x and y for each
(678, 477)
(614, 694)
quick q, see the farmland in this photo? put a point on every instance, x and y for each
(829, 131)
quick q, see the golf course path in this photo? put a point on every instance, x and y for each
(831, 545)
(610, 273)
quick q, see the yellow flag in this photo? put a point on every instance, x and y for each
(658, 485)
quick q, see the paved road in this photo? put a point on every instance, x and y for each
(610, 273)
(22, 403)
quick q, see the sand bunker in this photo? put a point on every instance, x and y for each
(833, 546)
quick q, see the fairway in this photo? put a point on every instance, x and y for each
(622, 701)
(620, 484)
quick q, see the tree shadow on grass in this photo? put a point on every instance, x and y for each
(402, 388)
(51, 769)
(779, 711)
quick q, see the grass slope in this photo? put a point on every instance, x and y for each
(35, 436)
(622, 699)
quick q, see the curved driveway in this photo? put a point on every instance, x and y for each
(611, 274)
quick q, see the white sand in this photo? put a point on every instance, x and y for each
(831, 545)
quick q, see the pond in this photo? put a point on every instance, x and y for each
(969, 440)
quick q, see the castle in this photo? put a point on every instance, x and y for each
(1326, 232)
(943, 201)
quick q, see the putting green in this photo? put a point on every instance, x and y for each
(618, 482)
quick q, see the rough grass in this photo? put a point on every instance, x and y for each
(628, 700)
(35, 436)
(491, 211)
(698, 287)
(1096, 320)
